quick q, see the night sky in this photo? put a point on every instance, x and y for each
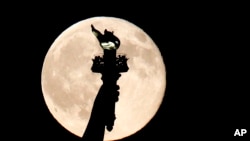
(202, 98)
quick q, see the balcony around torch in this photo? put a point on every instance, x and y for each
(121, 64)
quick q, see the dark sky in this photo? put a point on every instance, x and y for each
(202, 97)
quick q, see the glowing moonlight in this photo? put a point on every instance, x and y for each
(70, 87)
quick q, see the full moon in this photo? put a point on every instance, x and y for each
(69, 86)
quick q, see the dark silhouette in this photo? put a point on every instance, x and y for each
(110, 66)
(108, 40)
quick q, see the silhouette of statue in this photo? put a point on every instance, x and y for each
(110, 66)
